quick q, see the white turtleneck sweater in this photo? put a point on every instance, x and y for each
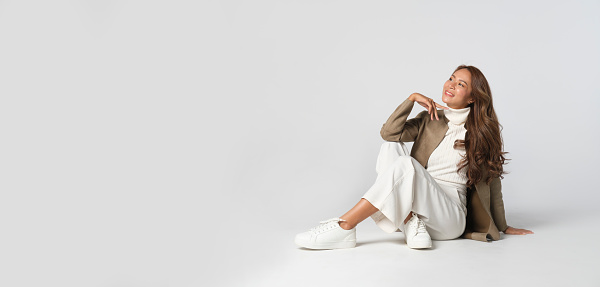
(442, 164)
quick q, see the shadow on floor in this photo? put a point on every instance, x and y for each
(398, 241)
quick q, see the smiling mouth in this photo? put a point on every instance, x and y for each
(449, 94)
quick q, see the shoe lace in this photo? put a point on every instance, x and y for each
(326, 224)
(421, 228)
(419, 225)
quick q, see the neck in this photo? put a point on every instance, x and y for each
(457, 108)
(457, 116)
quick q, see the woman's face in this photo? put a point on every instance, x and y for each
(457, 90)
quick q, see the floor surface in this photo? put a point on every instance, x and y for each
(562, 252)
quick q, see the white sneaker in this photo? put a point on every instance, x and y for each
(416, 234)
(327, 235)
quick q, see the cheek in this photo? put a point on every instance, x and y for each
(462, 97)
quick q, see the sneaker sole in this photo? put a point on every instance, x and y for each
(422, 245)
(326, 245)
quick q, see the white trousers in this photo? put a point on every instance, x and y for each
(403, 186)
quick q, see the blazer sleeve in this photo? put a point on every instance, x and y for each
(398, 129)
(497, 204)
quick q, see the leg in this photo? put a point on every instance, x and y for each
(406, 187)
(358, 213)
(388, 154)
(341, 232)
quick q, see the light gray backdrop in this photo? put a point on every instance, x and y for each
(143, 143)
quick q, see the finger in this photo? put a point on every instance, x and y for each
(440, 106)
(517, 231)
(425, 104)
(433, 104)
(431, 110)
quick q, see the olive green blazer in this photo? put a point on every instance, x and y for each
(485, 207)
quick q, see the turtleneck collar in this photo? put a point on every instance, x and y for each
(457, 116)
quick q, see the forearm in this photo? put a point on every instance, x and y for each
(412, 97)
(393, 128)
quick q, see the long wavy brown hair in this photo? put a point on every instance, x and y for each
(483, 142)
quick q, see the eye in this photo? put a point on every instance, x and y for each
(460, 84)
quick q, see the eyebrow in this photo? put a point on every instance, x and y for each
(460, 80)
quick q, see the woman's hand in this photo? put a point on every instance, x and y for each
(517, 231)
(428, 103)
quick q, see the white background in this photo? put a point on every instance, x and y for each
(173, 143)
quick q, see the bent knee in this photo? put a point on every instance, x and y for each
(406, 159)
(405, 162)
(398, 148)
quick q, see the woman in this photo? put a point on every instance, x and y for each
(448, 186)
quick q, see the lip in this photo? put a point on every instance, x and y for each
(448, 93)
